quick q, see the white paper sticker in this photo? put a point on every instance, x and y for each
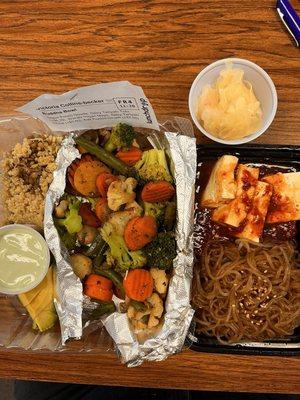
(94, 107)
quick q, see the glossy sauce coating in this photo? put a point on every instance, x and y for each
(205, 229)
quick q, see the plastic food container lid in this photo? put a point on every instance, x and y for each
(43, 266)
(263, 86)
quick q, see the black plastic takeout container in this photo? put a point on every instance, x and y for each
(287, 156)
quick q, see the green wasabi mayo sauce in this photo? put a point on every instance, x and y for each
(23, 259)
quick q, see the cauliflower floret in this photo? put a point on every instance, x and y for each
(160, 280)
(121, 192)
(131, 312)
(150, 317)
(119, 219)
(156, 310)
(61, 208)
(137, 318)
(134, 206)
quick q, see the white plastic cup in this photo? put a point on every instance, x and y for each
(44, 266)
(263, 87)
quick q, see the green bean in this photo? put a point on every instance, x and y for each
(105, 307)
(107, 158)
(145, 319)
(96, 247)
(115, 277)
(138, 305)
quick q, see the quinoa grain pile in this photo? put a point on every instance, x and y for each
(27, 172)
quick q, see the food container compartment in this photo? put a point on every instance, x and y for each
(15, 323)
(288, 156)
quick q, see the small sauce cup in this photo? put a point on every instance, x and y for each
(24, 259)
(263, 87)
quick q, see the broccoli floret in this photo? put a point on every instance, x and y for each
(69, 240)
(118, 253)
(161, 251)
(72, 221)
(122, 135)
(170, 216)
(153, 166)
(156, 210)
(164, 214)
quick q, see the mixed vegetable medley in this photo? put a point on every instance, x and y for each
(117, 220)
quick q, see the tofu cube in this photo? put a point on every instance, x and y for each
(221, 186)
(285, 201)
(235, 212)
(255, 219)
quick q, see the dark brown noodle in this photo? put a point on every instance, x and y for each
(245, 291)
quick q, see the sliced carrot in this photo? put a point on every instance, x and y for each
(138, 284)
(83, 173)
(102, 210)
(130, 156)
(98, 287)
(103, 181)
(140, 231)
(155, 192)
(75, 164)
(88, 216)
(95, 279)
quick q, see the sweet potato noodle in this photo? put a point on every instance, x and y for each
(245, 291)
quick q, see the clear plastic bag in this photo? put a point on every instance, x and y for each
(17, 330)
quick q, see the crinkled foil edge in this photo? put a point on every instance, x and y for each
(179, 313)
(68, 301)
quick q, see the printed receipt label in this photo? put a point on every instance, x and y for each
(94, 107)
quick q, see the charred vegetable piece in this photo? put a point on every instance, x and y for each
(122, 135)
(138, 284)
(104, 307)
(107, 158)
(154, 192)
(98, 287)
(88, 216)
(130, 156)
(140, 231)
